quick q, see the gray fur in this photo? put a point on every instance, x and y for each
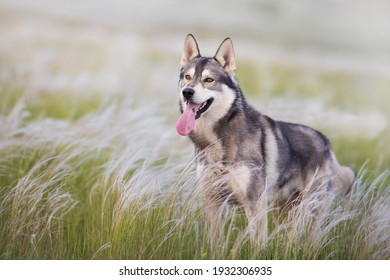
(276, 157)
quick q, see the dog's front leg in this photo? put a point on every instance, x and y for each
(214, 194)
(257, 216)
(214, 219)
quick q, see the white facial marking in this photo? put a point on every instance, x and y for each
(191, 72)
(222, 102)
(202, 94)
(205, 74)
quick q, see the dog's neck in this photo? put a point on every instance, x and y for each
(216, 140)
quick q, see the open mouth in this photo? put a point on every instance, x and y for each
(203, 107)
(191, 112)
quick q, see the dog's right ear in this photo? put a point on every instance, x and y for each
(190, 51)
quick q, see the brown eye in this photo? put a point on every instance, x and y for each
(187, 77)
(209, 80)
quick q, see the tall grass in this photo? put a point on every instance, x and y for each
(111, 185)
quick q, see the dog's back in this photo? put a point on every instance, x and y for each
(303, 158)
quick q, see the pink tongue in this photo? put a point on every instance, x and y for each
(186, 121)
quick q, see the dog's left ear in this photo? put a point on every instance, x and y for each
(225, 56)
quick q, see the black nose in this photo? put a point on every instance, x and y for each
(188, 92)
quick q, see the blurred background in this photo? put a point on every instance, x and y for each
(322, 63)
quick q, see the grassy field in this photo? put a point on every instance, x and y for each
(91, 166)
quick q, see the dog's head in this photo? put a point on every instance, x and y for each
(206, 84)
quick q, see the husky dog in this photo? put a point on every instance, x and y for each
(267, 160)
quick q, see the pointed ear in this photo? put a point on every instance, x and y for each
(225, 56)
(190, 51)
